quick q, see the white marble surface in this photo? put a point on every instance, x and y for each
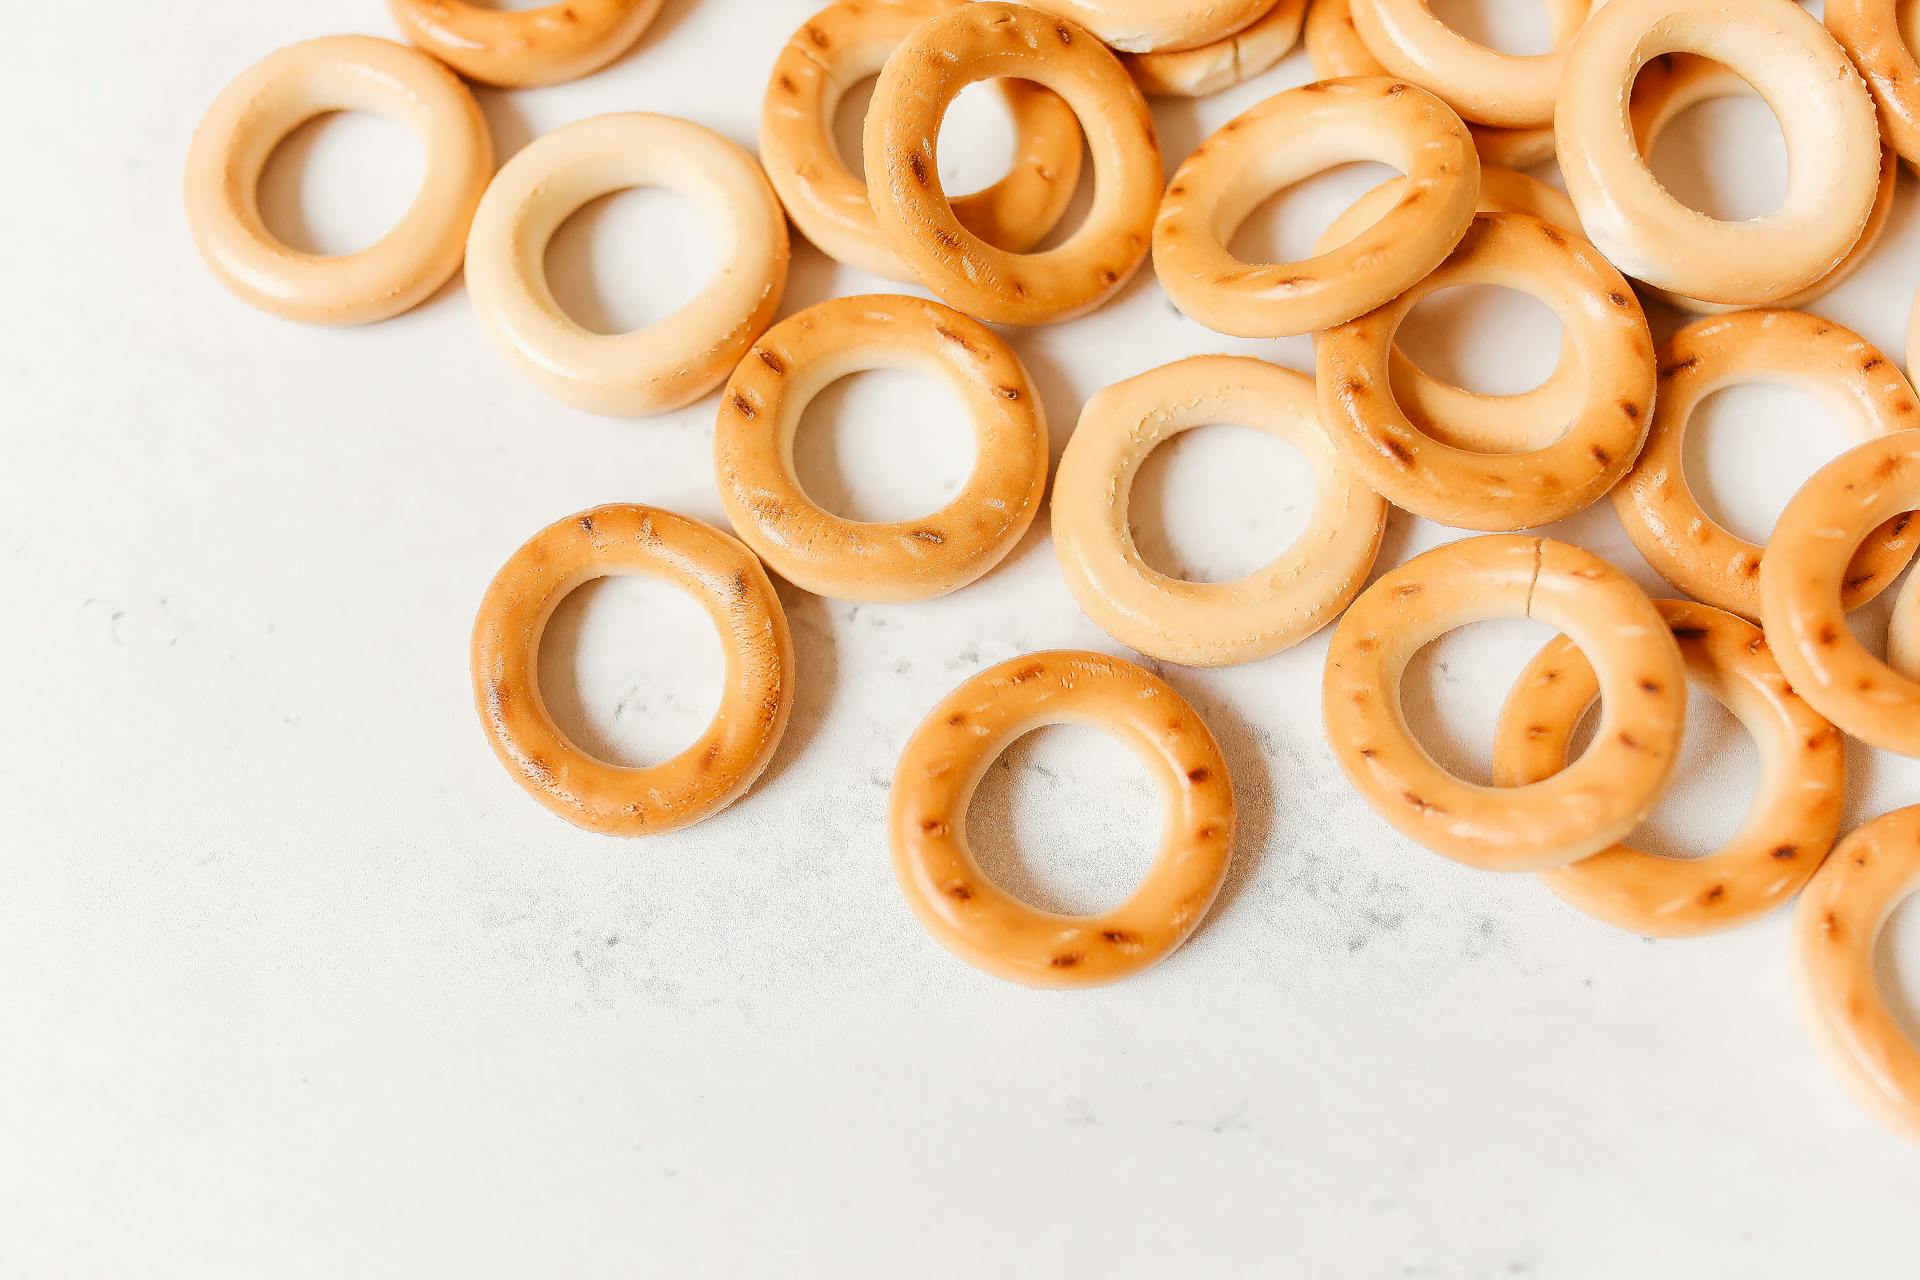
(298, 983)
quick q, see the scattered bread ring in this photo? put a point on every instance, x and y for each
(1837, 366)
(1870, 32)
(1453, 415)
(1207, 623)
(1903, 629)
(1511, 90)
(1804, 573)
(1590, 805)
(1209, 68)
(1913, 338)
(1500, 491)
(1835, 928)
(664, 365)
(1292, 136)
(837, 48)
(253, 116)
(920, 80)
(949, 753)
(1674, 82)
(525, 47)
(1825, 112)
(1336, 49)
(1795, 814)
(708, 565)
(1150, 26)
(857, 560)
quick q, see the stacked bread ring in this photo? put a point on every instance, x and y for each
(1766, 632)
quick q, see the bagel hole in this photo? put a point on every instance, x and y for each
(1509, 26)
(1716, 774)
(1066, 819)
(1748, 449)
(1896, 966)
(976, 145)
(1217, 502)
(631, 669)
(1451, 692)
(630, 259)
(1725, 157)
(1486, 338)
(340, 182)
(1286, 226)
(883, 445)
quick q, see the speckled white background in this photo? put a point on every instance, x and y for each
(297, 983)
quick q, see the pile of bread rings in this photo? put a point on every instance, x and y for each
(1766, 631)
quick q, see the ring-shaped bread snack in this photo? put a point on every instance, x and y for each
(1207, 623)
(1795, 814)
(1292, 136)
(278, 94)
(1500, 491)
(519, 48)
(1335, 48)
(920, 80)
(1874, 37)
(950, 752)
(1672, 83)
(1836, 928)
(1590, 805)
(1656, 505)
(837, 48)
(724, 578)
(829, 555)
(667, 364)
(1530, 419)
(1824, 111)
(1150, 26)
(1903, 629)
(1803, 578)
(1209, 68)
(1511, 90)
(1913, 338)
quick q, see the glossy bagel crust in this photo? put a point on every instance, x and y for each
(1209, 68)
(1804, 574)
(1335, 48)
(1792, 823)
(1674, 82)
(1530, 419)
(1870, 31)
(1590, 805)
(1500, 491)
(921, 78)
(837, 48)
(1207, 623)
(1824, 110)
(950, 752)
(1656, 505)
(760, 410)
(525, 47)
(1292, 136)
(1148, 26)
(254, 114)
(674, 361)
(728, 583)
(1484, 85)
(1835, 929)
